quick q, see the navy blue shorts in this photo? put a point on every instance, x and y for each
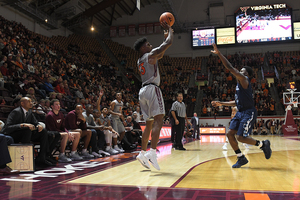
(243, 122)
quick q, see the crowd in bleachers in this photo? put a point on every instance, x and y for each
(287, 66)
(69, 70)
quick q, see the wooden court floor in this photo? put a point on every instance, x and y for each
(204, 165)
(203, 171)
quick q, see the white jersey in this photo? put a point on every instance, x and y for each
(117, 109)
(149, 72)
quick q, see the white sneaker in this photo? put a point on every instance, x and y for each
(75, 157)
(86, 155)
(96, 155)
(224, 147)
(64, 159)
(111, 151)
(118, 149)
(152, 157)
(143, 160)
(104, 152)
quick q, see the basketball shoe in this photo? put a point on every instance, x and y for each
(240, 162)
(143, 160)
(266, 148)
(152, 157)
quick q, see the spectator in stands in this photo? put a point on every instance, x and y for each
(75, 122)
(40, 111)
(4, 59)
(79, 93)
(47, 106)
(209, 110)
(23, 127)
(132, 136)
(4, 69)
(55, 121)
(48, 86)
(60, 88)
(31, 95)
(138, 113)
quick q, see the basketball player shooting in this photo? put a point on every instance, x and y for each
(242, 123)
(150, 96)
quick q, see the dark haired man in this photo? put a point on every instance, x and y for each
(242, 123)
(111, 136)
(97, 132)
(150, 96)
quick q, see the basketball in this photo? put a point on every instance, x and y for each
(167, 17)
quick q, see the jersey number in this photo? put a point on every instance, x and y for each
(142, 69)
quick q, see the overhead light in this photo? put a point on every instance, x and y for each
(46, 20)
(92, 28)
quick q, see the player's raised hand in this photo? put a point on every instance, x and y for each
(216, 103)
(166, 33)
(165, 25)
(216, 50)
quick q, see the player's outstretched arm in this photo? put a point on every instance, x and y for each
(219, 103)
(158, 53)
(239, 76)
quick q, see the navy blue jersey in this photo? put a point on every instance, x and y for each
(244, 97)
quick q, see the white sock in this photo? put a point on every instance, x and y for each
(73, 152)
(116, 146)
(107, 148)
(62, 154)
(239, 155)
(84, 150)
(260, 144)
(152, 149)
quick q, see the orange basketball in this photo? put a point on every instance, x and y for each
(167, 17)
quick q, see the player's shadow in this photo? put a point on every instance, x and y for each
(279, 169)
(157, 173)
(146, 170)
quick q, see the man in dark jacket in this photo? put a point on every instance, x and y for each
(23, 127)
(195, 125)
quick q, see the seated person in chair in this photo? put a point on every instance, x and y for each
(55, 121)
(75, 122)
(23, 127)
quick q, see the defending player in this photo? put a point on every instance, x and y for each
(242, 123)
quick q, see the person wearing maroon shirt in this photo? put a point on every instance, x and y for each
(55, 121)
(75, 122)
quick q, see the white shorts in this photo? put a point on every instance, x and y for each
(118, 126)
(151, 101)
